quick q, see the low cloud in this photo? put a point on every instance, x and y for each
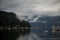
(31, 7)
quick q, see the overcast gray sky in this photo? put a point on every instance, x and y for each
(31, 7)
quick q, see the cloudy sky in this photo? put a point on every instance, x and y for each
(31, 7)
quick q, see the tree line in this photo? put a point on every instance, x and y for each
(10, 20)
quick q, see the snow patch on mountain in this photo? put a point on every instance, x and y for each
(34, 18)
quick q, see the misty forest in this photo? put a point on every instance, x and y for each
(11, 26)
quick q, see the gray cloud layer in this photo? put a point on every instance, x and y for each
(31, 7)
(57, 1)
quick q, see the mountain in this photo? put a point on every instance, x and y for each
(30, 18)
(35, 19)
(41, 24)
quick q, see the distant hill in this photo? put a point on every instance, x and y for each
(44, 23)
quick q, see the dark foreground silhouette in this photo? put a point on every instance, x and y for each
(11, 26)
